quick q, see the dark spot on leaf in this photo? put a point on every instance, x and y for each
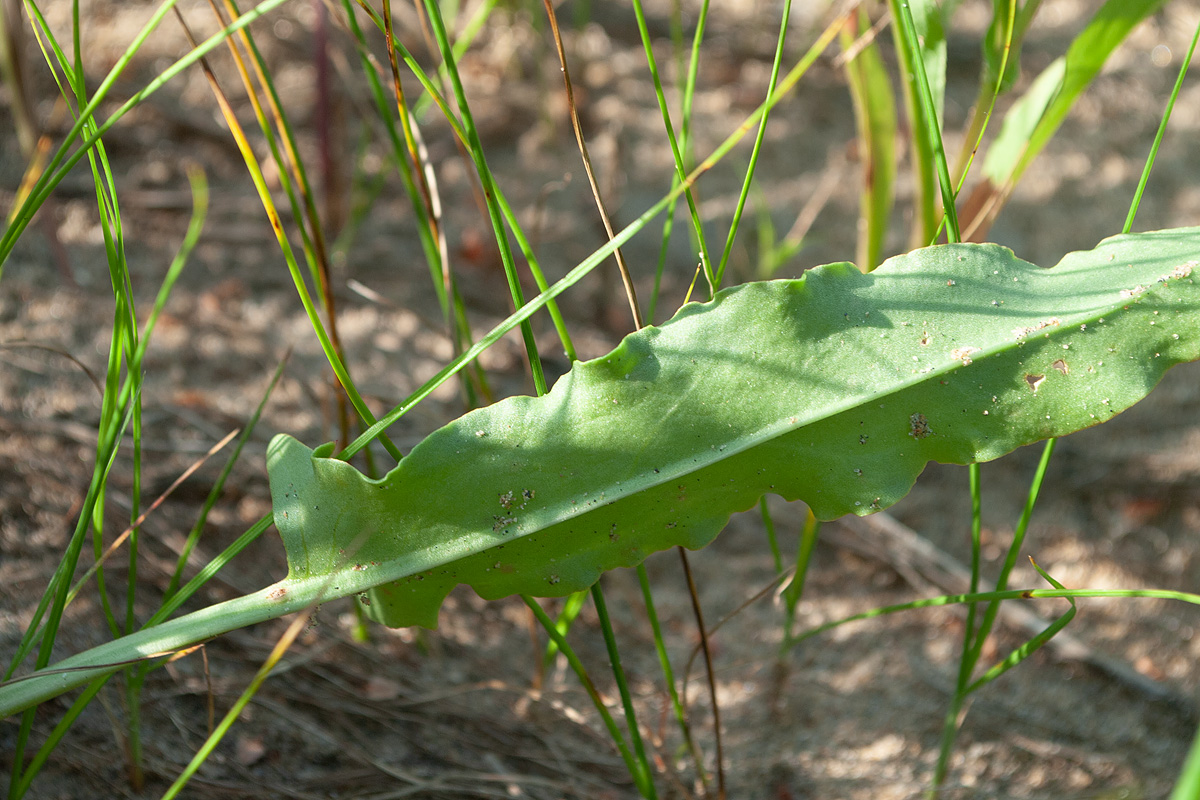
(919, 426)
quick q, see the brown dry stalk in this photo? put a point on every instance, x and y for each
(626, 279)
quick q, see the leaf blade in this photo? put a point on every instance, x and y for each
(836, 389)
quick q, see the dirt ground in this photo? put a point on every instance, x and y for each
(855, 713)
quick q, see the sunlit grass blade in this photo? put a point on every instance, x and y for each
(297, 187)
(1158, 136)
(260, 186)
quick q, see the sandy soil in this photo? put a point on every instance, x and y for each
(855, 713)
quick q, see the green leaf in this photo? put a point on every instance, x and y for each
(1037, 115)
(836, 389)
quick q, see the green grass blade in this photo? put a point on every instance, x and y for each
(1034, 644)
(239, 705)
(969, 653)
(1014, 549)
(676, 152)
(488, 184)
(1188, 785)
(748, 180)
(585, 680)
(929, 21)
(975, 638)
(1002, 43)
(328, 346)
(61, 164)
(664, 661)
(20, 788)
(997, 597)
(875, 119)
(1162, 130)
(218, 486)
(644, 777)
(570, 611)
(794, 591)
(400, 156)
(932, 128)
